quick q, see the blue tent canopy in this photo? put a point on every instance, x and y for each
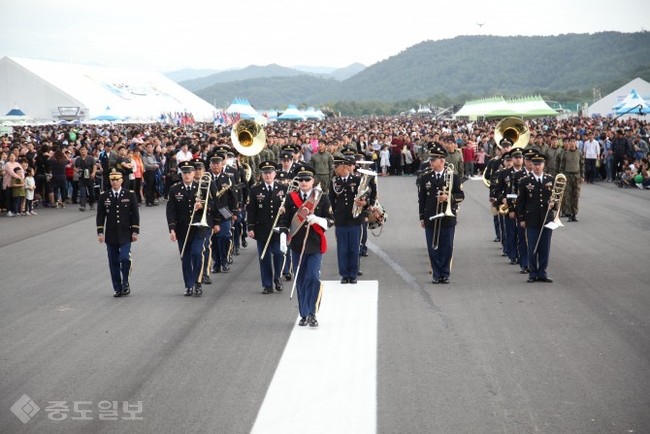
(15, 112)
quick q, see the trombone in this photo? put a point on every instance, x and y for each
(437, 224)
(556, 197)
(201, 197)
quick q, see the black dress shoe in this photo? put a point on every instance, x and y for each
(287, 277)
(352, 280)
(359, 273)
(496, 240)
(345, 280)
(216, 269)
(198, 289)
(444, 280)
(188, 291)
(225, 269)
(531, 279)
(278, 285)
(513, 261)
(436, 280)
(206, 279)
(126, 290)
(312, 321)
(545, 279)
(244, 243)
(236, 251)
(302, 322)
(364, 253)
(267, 291)
(117, 293)
(524, 270)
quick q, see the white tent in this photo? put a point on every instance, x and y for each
(606, 105)
(291, 114)
(55, 90)
(312, 113)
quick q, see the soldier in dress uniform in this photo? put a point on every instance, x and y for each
(225, 198)
(342, 194)
(199, 171)
(533, 201)
(491, 173)
(303, 227)
(572, 165)
(191, 239)
(287, 168)
(242, 189)
(432, 200)
(265, 202)
(519, 173)
(372, 199)
(507, 227)
(118, 225)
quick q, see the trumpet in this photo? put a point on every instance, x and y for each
(556, 197)
(202, 198)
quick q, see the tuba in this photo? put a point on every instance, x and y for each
(513, 129)
(364, 189)
(248, 137)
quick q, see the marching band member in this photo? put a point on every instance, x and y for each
(118, 225)
(266, 199)
(225, 198)
(504, 187)
(306, 221)
(191, 239)
(199, 171)
(533, 201)
(433, 198)
(519, 173)
(342, 196)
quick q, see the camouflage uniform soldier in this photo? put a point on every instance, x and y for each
(572, 165)
(551, 156)
(323, 163)
(454, 156)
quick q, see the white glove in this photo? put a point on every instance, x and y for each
(283, 243)
(315, 220)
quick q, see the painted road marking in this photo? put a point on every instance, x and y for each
(326, 381)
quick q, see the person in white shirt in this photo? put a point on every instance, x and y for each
(591, 150)
(184, 154)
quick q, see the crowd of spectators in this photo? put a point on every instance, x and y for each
(44, 165)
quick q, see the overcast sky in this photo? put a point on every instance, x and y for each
(165, 35)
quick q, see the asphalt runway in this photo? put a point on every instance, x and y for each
(488, 353)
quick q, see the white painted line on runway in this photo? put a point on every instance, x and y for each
(326, 381)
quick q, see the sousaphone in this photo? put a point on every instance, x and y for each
(248, 137)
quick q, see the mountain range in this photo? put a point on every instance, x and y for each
(460, 68)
